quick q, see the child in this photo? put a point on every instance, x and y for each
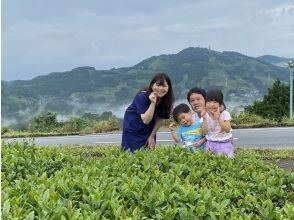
(189, 132)
(216, 124)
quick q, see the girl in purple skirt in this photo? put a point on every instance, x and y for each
(216, 124)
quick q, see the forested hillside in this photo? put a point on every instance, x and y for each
(243, 79)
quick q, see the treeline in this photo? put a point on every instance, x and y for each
(47, 123)
(272, 111)
(275, 105)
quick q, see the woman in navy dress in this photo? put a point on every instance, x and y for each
(144, 116)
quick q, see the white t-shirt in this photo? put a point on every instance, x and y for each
(196, 118)
(215, 132)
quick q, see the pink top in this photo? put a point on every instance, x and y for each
(215, 132)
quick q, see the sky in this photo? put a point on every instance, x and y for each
(44, 36)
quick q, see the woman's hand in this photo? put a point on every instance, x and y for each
(153, 97)
(150, 143)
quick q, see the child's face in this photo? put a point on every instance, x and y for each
(185, 119)
(212, 106)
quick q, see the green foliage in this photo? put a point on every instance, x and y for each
(267, 154)
(45, 122)
(47, 125)
(248, 120)
(275, 105)
(106, 125)
(166, 183)
(245, 118)
(74, 124)
(4, 130)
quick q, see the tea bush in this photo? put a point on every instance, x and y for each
(165, 183)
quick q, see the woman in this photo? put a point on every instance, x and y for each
(144, 116)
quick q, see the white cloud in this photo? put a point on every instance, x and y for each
(39, 37)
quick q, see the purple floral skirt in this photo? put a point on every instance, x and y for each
(223, 147)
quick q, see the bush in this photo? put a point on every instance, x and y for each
(44, 122)
(74, 125)
(106, 125)
(4, 130)
(165, 183)
(246, 118)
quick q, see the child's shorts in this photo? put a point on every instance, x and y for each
(224, 147)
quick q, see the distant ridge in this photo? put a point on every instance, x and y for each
(243, 79)
(275, 60)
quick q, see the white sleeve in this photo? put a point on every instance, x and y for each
(225, 115)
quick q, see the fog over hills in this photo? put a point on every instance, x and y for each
(243, 79)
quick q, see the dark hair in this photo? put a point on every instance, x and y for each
(195, 90)
(166, 104)
(179, 109)
(215, 95)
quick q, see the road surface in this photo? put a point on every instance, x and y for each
(277, 138)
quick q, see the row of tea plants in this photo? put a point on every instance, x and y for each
(95, 182)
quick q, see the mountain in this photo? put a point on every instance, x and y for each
(243, 79)
(275, 60)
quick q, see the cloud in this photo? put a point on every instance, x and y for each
(39, 37)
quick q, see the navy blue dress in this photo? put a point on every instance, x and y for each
(135, 132)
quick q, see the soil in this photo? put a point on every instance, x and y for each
(287, 164)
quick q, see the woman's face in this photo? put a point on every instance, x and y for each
(197, 102)
(160, 90)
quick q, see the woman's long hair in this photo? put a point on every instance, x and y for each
(166, 104)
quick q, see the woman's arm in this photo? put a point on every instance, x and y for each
(150, 140)
(148, 115)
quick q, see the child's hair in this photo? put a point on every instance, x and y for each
(179, 109)
(197, 91)
(217, 96)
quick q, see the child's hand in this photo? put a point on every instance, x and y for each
(197, 143)
(203, 113)
(214, 113)
(172, 126)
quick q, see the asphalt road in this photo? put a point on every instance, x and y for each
(277, 138)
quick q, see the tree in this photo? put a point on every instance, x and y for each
(46, 121)
(275, 105)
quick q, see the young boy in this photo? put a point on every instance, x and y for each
(189, 132)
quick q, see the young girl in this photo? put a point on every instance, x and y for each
(143, 117)
(216, 124)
